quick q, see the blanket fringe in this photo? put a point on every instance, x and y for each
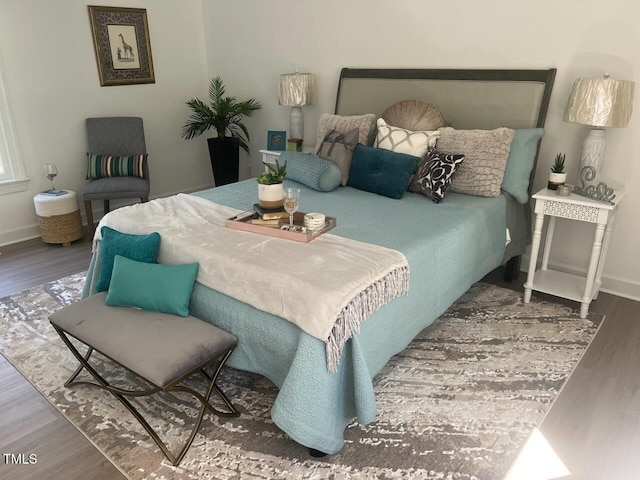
(390, 286)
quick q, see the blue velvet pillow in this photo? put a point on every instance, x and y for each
(152, 286)
(143, 248)
(312, 171)
(381, 171)
(520, 162)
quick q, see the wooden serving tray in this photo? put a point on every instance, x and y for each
(245, 225)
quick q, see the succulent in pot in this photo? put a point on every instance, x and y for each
(557, 176)
(270, 185)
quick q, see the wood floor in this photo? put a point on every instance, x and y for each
(593, 427)
(29, 424)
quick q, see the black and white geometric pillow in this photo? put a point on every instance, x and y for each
(433, 174)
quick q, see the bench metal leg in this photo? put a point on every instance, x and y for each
(173, 387)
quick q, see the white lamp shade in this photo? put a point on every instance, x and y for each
(600, 102)
(297, 89)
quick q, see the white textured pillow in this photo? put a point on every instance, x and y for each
(344, 124)
(401, 140)
(485, 158)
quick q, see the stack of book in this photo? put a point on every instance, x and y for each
(269, 217)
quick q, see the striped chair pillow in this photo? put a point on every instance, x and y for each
(101, 166)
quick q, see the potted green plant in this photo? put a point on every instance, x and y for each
(270, 185)
(557, 176)
(225, 115)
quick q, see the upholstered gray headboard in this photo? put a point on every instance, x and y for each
(467, 98)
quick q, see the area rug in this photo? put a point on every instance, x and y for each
(457, 403)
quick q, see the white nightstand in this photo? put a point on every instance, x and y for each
(560, 284)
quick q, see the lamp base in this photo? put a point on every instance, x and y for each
(296, 123)
(593, 153)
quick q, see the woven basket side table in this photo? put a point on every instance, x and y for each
(59, 218)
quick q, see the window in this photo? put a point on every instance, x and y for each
(12, 173)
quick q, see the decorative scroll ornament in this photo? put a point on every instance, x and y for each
(601, 192)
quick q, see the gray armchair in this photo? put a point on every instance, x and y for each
(115, 136)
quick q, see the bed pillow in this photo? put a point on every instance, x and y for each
(381, 171)
(485, 158)
(143, 248)
(434, 173)
(342, 124)
(101, 166)
(413, 115)
(522, 155)
(151, 286)
(312, 171)
(338, 149)
(405, 141)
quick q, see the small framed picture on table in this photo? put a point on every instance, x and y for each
(276, 140)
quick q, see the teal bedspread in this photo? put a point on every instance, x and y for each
(449, 246)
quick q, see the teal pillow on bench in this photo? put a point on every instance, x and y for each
(143, 248)
(152, 286)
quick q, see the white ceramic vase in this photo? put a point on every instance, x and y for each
(556, 179)
(270, 196)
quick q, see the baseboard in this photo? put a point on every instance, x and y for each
(31, 231)
(618, 286)
(17, 235)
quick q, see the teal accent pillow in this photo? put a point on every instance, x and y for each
(381, 171)
(312, 171)
(101, 166)
(152, 286)
(520, 162)
(143, 248)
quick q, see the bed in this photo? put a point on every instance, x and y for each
(448, 247)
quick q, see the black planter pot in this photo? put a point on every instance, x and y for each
(225, 159)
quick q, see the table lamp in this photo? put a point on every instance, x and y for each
(296, 90)
(598, 102)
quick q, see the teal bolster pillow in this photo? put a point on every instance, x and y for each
(152, 286)
(143, 248)
(102, 166)
(312, 171)
(522, 155)
(381, 171)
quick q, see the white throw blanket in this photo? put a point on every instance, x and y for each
(327, 287)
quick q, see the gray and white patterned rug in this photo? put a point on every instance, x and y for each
(458, 403)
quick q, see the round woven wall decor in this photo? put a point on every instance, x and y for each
(413, 115)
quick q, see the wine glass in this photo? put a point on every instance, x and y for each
(291, 197)
(51, 172)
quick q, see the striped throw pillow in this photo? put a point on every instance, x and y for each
(101, 166)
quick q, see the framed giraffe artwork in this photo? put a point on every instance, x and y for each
(122, 45)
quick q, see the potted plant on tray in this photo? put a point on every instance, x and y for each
(225, 115)
(270, 188)
(557, 176)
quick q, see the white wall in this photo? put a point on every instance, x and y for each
(251, 42)
(53, 85)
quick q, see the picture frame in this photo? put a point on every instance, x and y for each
(122, 45)
(276, 140)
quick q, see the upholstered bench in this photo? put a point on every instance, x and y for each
(163, 349)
